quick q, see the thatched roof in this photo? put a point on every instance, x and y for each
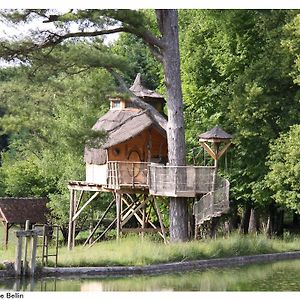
(140, 91)
(120, 126)
(216, 133)
(18, 210)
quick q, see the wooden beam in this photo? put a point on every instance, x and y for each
(74, 221)
(84, 205)
(99, 222)
(18, 263)
(32, 262)
(133, 211)
(79, 200)
(6, 228)
(119, 214)
(160, 220)
(142, 230)
(209, 150)
(224, 149)
(71, 213)
(104, 232)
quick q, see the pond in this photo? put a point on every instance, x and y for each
(278, 276)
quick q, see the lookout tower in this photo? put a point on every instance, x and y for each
(216, 202)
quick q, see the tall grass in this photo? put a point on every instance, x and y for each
(134, 251)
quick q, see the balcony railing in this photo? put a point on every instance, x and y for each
(127, 174)
(183, 181)
(214, 203)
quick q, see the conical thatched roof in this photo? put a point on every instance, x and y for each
(216, 133)
(140, 91)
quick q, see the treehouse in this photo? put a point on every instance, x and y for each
(134, 139)
(132, 163)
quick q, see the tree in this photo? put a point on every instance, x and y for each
(237, 73)
(165, 48)
(47, 134)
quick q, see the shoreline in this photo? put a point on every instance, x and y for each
(157, 269)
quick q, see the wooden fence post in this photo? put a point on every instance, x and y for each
(25, 262)
(32, 262)
(18, 263)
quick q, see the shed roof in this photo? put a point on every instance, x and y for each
(120, 126)
(18, 210)
(140, 91)
(215, 133)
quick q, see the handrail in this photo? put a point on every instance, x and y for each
(213, 204)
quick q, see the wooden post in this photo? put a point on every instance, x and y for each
(6, 228)
(71, 213)
(118, 212)
(44, 245)
(144, 217)
(56, 246)
(18, 263)
(74, 221)
(32, 262)
(163, 231)
(27, 239)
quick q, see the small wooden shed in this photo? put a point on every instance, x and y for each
(15, 211)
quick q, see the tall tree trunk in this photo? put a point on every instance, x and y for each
(253, 221)
(168, 25)
(245, 219)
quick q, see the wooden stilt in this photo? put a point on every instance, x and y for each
(118, 212)
(74, 221)
(99, 222)
(104, 232)
(163, 231)
(6, 228)
(144, 218)
(71, 213)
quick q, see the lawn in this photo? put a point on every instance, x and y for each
(133, 250)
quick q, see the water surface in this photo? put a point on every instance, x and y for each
(278, 276)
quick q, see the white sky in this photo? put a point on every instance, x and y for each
(259, 4)
(131, 4)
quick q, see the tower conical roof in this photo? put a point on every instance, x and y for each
(215, 133)
(140, 91)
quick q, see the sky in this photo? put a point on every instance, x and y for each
(22, 31)
(260, 4)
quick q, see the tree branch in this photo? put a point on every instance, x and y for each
(138, 102)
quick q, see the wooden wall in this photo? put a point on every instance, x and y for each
(149, 145)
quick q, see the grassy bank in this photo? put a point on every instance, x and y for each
(134, 251)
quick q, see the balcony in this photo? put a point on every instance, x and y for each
(161, 180)
(183, 181)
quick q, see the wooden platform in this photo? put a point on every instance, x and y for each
(122, 188)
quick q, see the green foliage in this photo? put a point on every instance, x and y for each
(284, 169)
(237, 74)
(49, 124)
(140, 59)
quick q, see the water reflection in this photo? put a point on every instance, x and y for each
(280, 276)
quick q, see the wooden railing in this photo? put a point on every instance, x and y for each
(180, 181)
(127, 174)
